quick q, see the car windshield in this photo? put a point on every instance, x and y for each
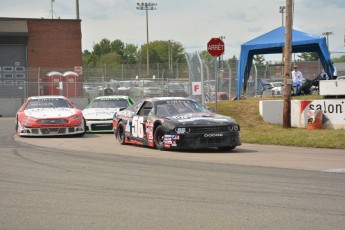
(277, 84)
(175, 86)
(150, 84)
(126, 84)
(108, 103)
(47, 103)
(177, 107)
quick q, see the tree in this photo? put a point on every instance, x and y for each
(233, 62)
(339, 59)
(309, 56)
(159, 52)
(206, 56)
(130, 55)
(259, 60)
(119, 47)
(103, 47)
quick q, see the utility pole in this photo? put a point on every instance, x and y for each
(282, 11)
(77, 8)
(287, 65)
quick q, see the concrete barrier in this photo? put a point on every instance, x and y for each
(333, 112)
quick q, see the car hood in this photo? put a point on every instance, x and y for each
(99, 113)
(50, 112)
(202, 119)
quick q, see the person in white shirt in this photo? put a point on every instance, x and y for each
(324, 75)
(296, 77)
(335, 73)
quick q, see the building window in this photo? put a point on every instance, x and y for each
(20, 75)
(20, 68)
(8, 75)
(0, 82)
(8, 82)
(7, 68)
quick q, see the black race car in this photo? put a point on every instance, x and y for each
(175, 123)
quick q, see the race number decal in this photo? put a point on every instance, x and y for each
(138, 127)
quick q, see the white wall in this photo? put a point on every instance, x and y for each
(333, 112)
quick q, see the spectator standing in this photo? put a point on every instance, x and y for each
(324, 75)
(335, 73)
(108, 91)
(296, 77)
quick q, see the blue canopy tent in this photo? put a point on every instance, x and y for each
(273, 42)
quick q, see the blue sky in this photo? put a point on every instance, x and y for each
(192, 23)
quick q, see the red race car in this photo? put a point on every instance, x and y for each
(49, 116)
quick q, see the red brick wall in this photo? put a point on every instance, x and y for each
(54, 44)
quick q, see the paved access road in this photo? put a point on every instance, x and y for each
(94, 183)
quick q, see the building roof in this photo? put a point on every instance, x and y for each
(13, 31)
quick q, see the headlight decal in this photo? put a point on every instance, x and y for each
(234, 128)
(182, 130)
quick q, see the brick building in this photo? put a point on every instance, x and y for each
(30, 48)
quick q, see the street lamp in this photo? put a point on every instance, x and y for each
(282, 11)
(147, 6)
(327, 34)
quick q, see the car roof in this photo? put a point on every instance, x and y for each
(112, 97)
(153, 99)
(48, 96)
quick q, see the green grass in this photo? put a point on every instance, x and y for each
(255, 130)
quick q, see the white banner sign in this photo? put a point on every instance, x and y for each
(196, 88)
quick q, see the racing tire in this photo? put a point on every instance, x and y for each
(121, 134)
(226, 148)
(16, 127)
(83, 133)
(158, 138)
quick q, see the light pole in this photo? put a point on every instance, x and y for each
(327, 34)
(282, 11)
(147, 6)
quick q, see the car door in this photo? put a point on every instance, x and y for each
(138, 125)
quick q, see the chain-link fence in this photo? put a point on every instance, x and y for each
(124, 79)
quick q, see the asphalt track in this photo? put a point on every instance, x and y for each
(94, 183)
(317, 159)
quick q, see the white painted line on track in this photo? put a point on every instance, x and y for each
(341, 170)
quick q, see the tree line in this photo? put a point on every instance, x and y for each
(112, 53)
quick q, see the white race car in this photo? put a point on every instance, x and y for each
(49, 116)
(100, 112)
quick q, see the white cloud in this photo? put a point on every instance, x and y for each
(192, 22)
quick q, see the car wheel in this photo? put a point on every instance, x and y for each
(226, 148)
(16, 127)
(121, 134)
(158, 137)
(83, 133)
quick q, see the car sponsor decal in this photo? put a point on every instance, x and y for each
(128, 127)
(213, 135)
(177, 101)
(170, 140)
